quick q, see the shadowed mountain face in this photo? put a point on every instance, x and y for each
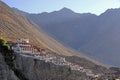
(96, 36)
(66, 26)
(106, 46)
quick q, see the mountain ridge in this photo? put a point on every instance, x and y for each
(17, 26)
(23, 24)
(58, 63)
(87, 33)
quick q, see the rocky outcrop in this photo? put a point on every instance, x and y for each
(34, 69)
(5, 72)
(30, 67)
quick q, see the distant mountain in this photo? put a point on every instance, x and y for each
(96, 36)
(13, 26)
(64, 25)
(106, 46)
(21, 66)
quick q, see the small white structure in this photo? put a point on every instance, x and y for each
(22, 48)
(90, 75)
(59, 60)
(22, 40)
(76, 68)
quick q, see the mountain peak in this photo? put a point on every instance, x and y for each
(111, 11)
(64, 9)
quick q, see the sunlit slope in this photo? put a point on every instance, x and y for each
(13, 26)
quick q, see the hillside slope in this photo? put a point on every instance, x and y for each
(13, 26)
(95, 36)
(66, 26)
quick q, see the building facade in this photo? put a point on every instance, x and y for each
(23, 46)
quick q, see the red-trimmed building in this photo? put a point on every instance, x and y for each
(23, 46)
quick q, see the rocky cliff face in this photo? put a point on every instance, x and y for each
(34, 69)
(5, 72)
(29, 67)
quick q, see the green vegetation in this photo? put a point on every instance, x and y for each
(7, 52)
(4, 47)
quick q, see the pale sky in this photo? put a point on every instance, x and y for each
(79, 6)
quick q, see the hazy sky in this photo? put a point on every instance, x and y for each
(80, 6)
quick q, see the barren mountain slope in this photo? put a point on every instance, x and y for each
(13, 26)
(95, 36)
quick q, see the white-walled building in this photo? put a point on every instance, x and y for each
(22, 40)
(23, 46)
